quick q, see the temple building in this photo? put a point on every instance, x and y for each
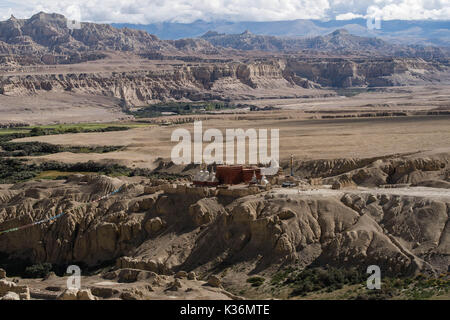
(236, 174)
(205, 178)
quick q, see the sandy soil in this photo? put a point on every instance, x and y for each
(54, 108)
(429, 193)
(306, 139)
(116, 61)
(386, 99)
(303, 131)
(69, 107)
(190, 290)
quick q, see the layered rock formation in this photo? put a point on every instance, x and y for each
(339, 42)
(348, 72)
(412, 171)
(415, 169)
(203, 82)
(46, 39)
(9, 290)
(234, 80)
(172, 228)
(49, 37)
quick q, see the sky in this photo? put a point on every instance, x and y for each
(185, 11)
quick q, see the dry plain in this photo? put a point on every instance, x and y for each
(327, 128)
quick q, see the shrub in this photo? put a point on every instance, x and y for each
(13, 170)
(256, 281)
(156, 110)
(38, 270)
(315, 279)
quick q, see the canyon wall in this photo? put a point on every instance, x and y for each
(234, 80)
(203, 82)
(166, 228)
(347, 73)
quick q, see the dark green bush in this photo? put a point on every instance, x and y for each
(14, 170)
(256, 281)
(315, 279)
(21, 149)
(38, 270)
(180, 108)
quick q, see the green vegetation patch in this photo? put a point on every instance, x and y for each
(59, 175)
(24, 132)
(180, 108)
(40, 270)
(25, 268)
(13, 131)
(16, 170)
(64, 129)
(318, 281)
(281, 276)
(310, 280)
(256, 281)
(419, 287)
(23, 149)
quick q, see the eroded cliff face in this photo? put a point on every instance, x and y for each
(165, 228)
(415, 172)
(416, 169)
(369, 72)
(49, 34)
(233, 80)
(202, 82)
(339, 42)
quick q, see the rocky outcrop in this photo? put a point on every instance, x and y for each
(181, 230)
(49, 37)
(9, 290)
(372, 72)
(416, 226)
(413, 169)
(338, 42)
(76, 294)
(214, 281)
(46, 39)
(231, 80)
(91, 232)
(220, 81)
(10, 296)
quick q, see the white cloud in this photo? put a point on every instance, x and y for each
(148, 11)
(348, 16)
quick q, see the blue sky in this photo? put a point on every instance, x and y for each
(150, 11)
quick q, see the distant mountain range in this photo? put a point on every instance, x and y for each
(44, 34)
(429, 32)
(339, 42)
(46, 38)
